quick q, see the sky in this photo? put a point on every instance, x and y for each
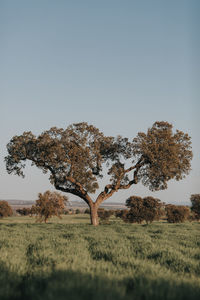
(119, 65)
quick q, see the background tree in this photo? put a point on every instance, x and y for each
(76, 157)
(122, 214)
(5, 209)
(177, 213)
(136, 212)
(25, 211)
(153, 209)
(49, 204)
(195, 199)
(143, 209)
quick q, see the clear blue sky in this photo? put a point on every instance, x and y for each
(120, 65)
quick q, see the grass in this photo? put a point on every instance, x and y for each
(61, 260)
(66, 219)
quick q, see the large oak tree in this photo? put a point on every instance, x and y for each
(77, 157)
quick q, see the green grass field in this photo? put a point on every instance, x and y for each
(70, 259)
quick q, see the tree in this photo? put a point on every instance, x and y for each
(49, 204)
(177, 213)
(195, 199)
(143, 209)
(122, 214)
(5, 209)
(77, 156)
(153, 209)
(25, 211)
(136, 212)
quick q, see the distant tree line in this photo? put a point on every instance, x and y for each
(150, 209)
(147, 209)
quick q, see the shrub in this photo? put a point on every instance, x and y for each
(122, 214)
(25, 211)
(177, 214)
(143, 209)
(49, 204)
(87, 211)
(152, 209)
(105, 215)
(5, 209)
(195, 199)
(136, 212)
(77, 211)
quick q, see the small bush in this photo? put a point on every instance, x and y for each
(5, 209)
(25, 211)
(122, 214)
(177, 214)
(49, 204)
(87, 211)
(143, 209)
(77, 211)
(195, 199)
(105, 215)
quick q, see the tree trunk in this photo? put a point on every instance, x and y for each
(93, 214)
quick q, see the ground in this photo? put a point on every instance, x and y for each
(70, 259)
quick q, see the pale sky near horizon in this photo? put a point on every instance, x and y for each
(119, 65)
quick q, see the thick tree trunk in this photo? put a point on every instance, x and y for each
(93, 214)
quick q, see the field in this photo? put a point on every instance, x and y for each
(70, 259)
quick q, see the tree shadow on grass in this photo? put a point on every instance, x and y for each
(72, 285)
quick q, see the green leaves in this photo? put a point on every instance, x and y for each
(76, 157)
(166, 155)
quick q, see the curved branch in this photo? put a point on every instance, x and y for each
(110, 189)
(75, 192)
(80, 192)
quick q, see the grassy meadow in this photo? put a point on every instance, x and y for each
(70, 259)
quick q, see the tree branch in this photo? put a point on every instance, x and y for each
(75, 192)
(80, 192)
(114, 188)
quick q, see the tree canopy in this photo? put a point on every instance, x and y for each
(77, 156)
(49, 204)
(5, 209)
(195, 199)
(143, 209)
(177, 213)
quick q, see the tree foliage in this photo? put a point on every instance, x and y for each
(122, 214)
(177, 213)
(25, 211)
(143, 209)
(76, 158)
(136, 212)
(49, 204)
(195, 199)
(5, 209)
(166, 155)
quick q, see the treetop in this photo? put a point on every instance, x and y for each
(77, 157)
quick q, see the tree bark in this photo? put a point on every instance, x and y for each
(93, 214)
